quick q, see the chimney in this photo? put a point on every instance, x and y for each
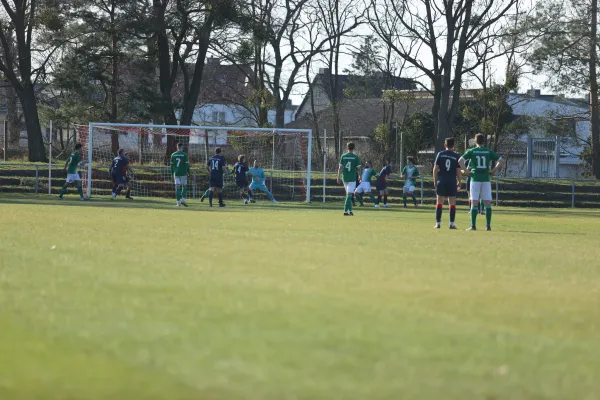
(535, 93)
(323, 71)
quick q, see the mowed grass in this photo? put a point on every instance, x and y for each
(102, 300)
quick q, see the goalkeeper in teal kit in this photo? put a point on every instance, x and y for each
(258, 180)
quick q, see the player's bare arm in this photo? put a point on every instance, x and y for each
(339, 181)
(499, 165)
(458, 178)
(436, 169)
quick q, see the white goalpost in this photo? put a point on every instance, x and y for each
(284, 154)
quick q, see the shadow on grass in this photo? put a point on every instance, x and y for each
(550, 233)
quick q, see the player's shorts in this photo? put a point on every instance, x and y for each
(481, 191)
(216, 182)
(180, 180)
(408, 189)
(364, 187)
(350, 187)
(119, 179)
(446, 188)
(258, 186)
(241, 184)
(379, 186)
(73, 178)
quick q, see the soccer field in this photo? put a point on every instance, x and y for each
(138, 301)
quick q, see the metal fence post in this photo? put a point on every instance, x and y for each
(529, 156)
(573, 192)
(194, 187)
(422, 188)
(497, 191)
(37, 179)
(5, 138)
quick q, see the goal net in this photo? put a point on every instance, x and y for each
(284, 154)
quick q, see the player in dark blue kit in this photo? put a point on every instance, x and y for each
(118, 173)
(381, 184)
(240, 170)
(446, 177)
(217, 166)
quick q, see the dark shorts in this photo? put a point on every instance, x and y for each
(241, 184)
(120, 179)
(446, 189)
(216, 182)
(380, 186)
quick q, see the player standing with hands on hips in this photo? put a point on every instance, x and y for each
(348, 168)
(481, 158)
(217, 166)
(446, 178)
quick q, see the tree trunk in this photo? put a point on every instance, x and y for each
(37, 150)
(13, 117)
(595, 117)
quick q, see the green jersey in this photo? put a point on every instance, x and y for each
(480, 159)
(180, 165)
(367, 174)
(411, 173)
(73, 162)
(349, 163)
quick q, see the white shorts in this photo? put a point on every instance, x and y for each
(408, 189)
(180, 180)
(73, 178)
(350, 187)
(364, 187)
(481, 191)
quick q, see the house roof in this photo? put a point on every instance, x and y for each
(358, 117)
(343, 82)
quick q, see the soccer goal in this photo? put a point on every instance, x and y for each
(284, 154)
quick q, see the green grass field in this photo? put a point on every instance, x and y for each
(138, 301)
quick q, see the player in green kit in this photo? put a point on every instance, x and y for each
(410, 172)
(480, 159)
(180, 168)
(73, 177)
(365, 183)
(349, 169)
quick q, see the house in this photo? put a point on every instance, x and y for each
(571, 143)
(360, 86)
(224, 96)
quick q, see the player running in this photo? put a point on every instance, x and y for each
(258, 181)
(118, 173)
(365, 183)
(348, 168)
(240, 170)
(480, 159)
(73, 177)
(446, 178)
(381, 184)
(180, 168)
(217, 166)
(410, 172)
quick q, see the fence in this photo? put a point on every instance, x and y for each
(29, 178)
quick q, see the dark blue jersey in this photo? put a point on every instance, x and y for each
(385, 171)
(447, 160)
(119, 166)
(216, 165)
(240, 169)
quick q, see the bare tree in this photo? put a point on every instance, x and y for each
(446, 31)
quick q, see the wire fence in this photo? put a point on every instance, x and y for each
(45, 178)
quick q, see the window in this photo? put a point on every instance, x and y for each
(218, 117)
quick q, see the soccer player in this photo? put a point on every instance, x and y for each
(118, 173)
(446, 178)
(258, 180)
(480, 159)
(410, 172)
(365, 183)
(240, 170)
(480, 204)
(70, 168)
(180, 168)
(381, 184)
(217, 166)
(348, 168)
